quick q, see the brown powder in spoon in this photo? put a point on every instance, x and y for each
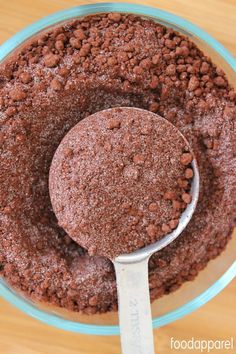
(115, 180)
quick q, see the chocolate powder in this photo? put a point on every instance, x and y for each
(69, 72)
(114, 180)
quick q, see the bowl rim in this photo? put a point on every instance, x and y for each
(78, 327)
(82, 10)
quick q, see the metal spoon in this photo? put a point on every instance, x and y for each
(131, 270)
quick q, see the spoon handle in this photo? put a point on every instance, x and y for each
(134, 307)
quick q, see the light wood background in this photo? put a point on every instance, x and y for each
(20, 334)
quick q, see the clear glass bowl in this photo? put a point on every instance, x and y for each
(218, 273)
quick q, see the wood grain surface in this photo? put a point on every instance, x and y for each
(20, 334)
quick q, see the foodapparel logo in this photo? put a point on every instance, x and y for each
(202, 345)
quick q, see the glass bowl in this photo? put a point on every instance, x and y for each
(218, 273)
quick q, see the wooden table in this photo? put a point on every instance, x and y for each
(19, 334)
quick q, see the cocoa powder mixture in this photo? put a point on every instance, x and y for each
(67, 73)
(118, 181)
